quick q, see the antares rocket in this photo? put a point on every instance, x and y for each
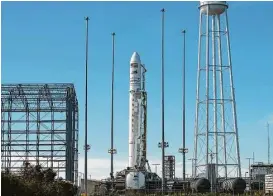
(137, 113)
(135, 178)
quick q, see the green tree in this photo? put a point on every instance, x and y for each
(36, 181)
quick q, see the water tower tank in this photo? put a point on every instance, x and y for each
(215, 7)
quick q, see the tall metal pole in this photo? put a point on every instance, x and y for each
(184, 113)
(112, 151)
(268, 138)
(85, 139)
(162, 105)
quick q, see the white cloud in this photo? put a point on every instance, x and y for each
(99, 168)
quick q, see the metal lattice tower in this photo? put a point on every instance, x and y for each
(143, 120)
(216, 131)
(40, 126)
(169, 167)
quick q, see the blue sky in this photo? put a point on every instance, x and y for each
(44, 42)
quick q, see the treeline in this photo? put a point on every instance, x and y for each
(36, 181)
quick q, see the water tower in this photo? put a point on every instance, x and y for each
(216, 131)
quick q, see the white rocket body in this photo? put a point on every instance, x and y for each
(135, 179)
(134, 109)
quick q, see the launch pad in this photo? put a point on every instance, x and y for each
(138, 177)
(127, 182)
(216, 166)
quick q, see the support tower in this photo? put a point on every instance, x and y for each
(216, 131)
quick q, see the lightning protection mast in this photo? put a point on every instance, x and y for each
(268, 141)
(86, 146)
(112, 151)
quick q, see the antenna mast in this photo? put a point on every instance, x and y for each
(86, 147)
(112, 151)
(268, 138)
(162, 105)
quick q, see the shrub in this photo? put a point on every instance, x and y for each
(33, 180)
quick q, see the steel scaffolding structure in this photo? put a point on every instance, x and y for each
(40, 126)
(169, 167)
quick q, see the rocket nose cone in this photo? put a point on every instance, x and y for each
(135, 58)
